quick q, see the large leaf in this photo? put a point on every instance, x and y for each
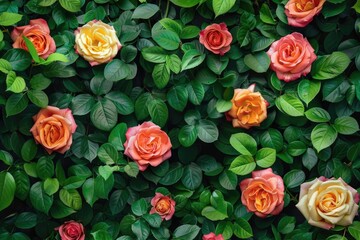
(192, 176)
(243, 143)
(185, 3)
(166, 39)
(308, 90)
(291, 105)
(145, 11)
(243, 165)
(330, 66)
(9, 18)
(346, 125)
(186, 231)
(158, 112)
(322, 136)
(104, 115)
(7, 189)
(116, 70)
(222, 6)
(39, 199)
(207, 131)
(258, 62)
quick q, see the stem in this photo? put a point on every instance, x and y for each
(167, 8)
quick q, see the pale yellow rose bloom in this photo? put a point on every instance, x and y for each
(97, 42)
(326, 203)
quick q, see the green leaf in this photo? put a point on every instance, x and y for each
(242, 165)
(161, 75)
(117, 136)
(55, 57)
(334, 90)
(38, 97)
(244, 143)
(185, 3)
(173, 175)
(32, 50)
(307, 90)
(258, 62)
(141, 109)
(71, 198)
(5, 66)
(207, 131)
(166, 39)
(189, 32)
(19, 59)
(139, 207)
(39, 82)
(346, 125)
(242, 229)
(108, 153)
(265, 157)
(6, 157)
(51, 186)
(296, 148)
(213, 214)
(309, 159)
(329, 66)
(196, 92)
(7, 189)
(171, 24)
(104, 115)
(354, 229)
(145, 11)
(228, 180)
(9, 18)
(141, 229)
(116, 70)
(59, 210)
(177, 97)
(39, 199)
(118, 200)
(291, 105)
(28, 150)
(222, 6)
(186, 231)
(294, 178)
(81, 104)
(266, 15)
(45, 167)
(46, 3)
(158, 112)
(317, 114)
(191, 59)
(322, 136)
(15, 83)
(272, 138)
(173, 62)
(187, 135)
(154, 54)
(286, 224)
(123, 103)
(192, 176)
(154, 220)
(88, 191)
(132, 169)
(71, 5)
(216, 63)
(22, 182)
(26, 220)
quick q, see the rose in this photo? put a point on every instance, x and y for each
(71, 230)
(301, 12)
(291, 57)
(248, 108)
(53, 129)
(96, 42)
(38, 33)
(263, 194)
(163, 205)
(216, 38)
(147, 144)
(212, 236)
(328, 202)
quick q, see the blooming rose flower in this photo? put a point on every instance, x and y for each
(328, 202)
(71, 230)
(147, 144)
(53, 129)
(301, 12)
(216, 38)
(163, 205)
(38, 33)
(97, 42)
(291, 57)
(263, 194)
(212, 236)
(248, 108)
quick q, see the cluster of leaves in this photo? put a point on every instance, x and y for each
(163, 74)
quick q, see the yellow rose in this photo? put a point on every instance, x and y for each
(97, 42)
(328, 202)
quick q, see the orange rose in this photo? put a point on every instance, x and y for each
(301, 12)
(53, 129)
(291, 57)
(248, 109)
(216, 38)
(263, 194)
(147, 144)
(163, 205)
(212, 236)
(38, 33)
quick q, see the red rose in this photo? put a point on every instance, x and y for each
(216, 38)
(212, 236)
(71, 230)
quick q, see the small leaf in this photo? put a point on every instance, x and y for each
(294, 178)
(7, 189)
(243, 143)
(145, 11)
(322, 136)
(242, 165)
(222, 6)
(346, 125)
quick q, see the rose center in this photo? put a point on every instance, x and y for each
(38, 42)
(162, 206)
(215, 38)
(330, 201)
(306, 5)
(53, 131)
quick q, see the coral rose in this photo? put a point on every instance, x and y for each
(212, 236)
(301, 12)
(328, 202)
(53, 129)
(291, 57)
(248, 108)
(147, 144)
(163, 205)
(216, 38)
(96, 42)
(38, 33)
(71, 230)
(263, 194)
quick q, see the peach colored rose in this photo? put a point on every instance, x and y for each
(147, 144)
(212, 236)
(53, 129)
(291, 57)
(71, 230)
(301, 12)
(38, 33)
(96, 42)
(248, 108)
(216, 38)
(163, 205)
(328, 202)
(263, 194)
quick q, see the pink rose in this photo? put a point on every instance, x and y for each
(291, 57)
(301, 12)
(263, 194)
(147, 144)
(71, 230)
(212, 236)
(53, 128)
(216, 38)
(163, 205)
(328, 202)
(38, 33)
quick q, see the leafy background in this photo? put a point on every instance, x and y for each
(165, 75)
